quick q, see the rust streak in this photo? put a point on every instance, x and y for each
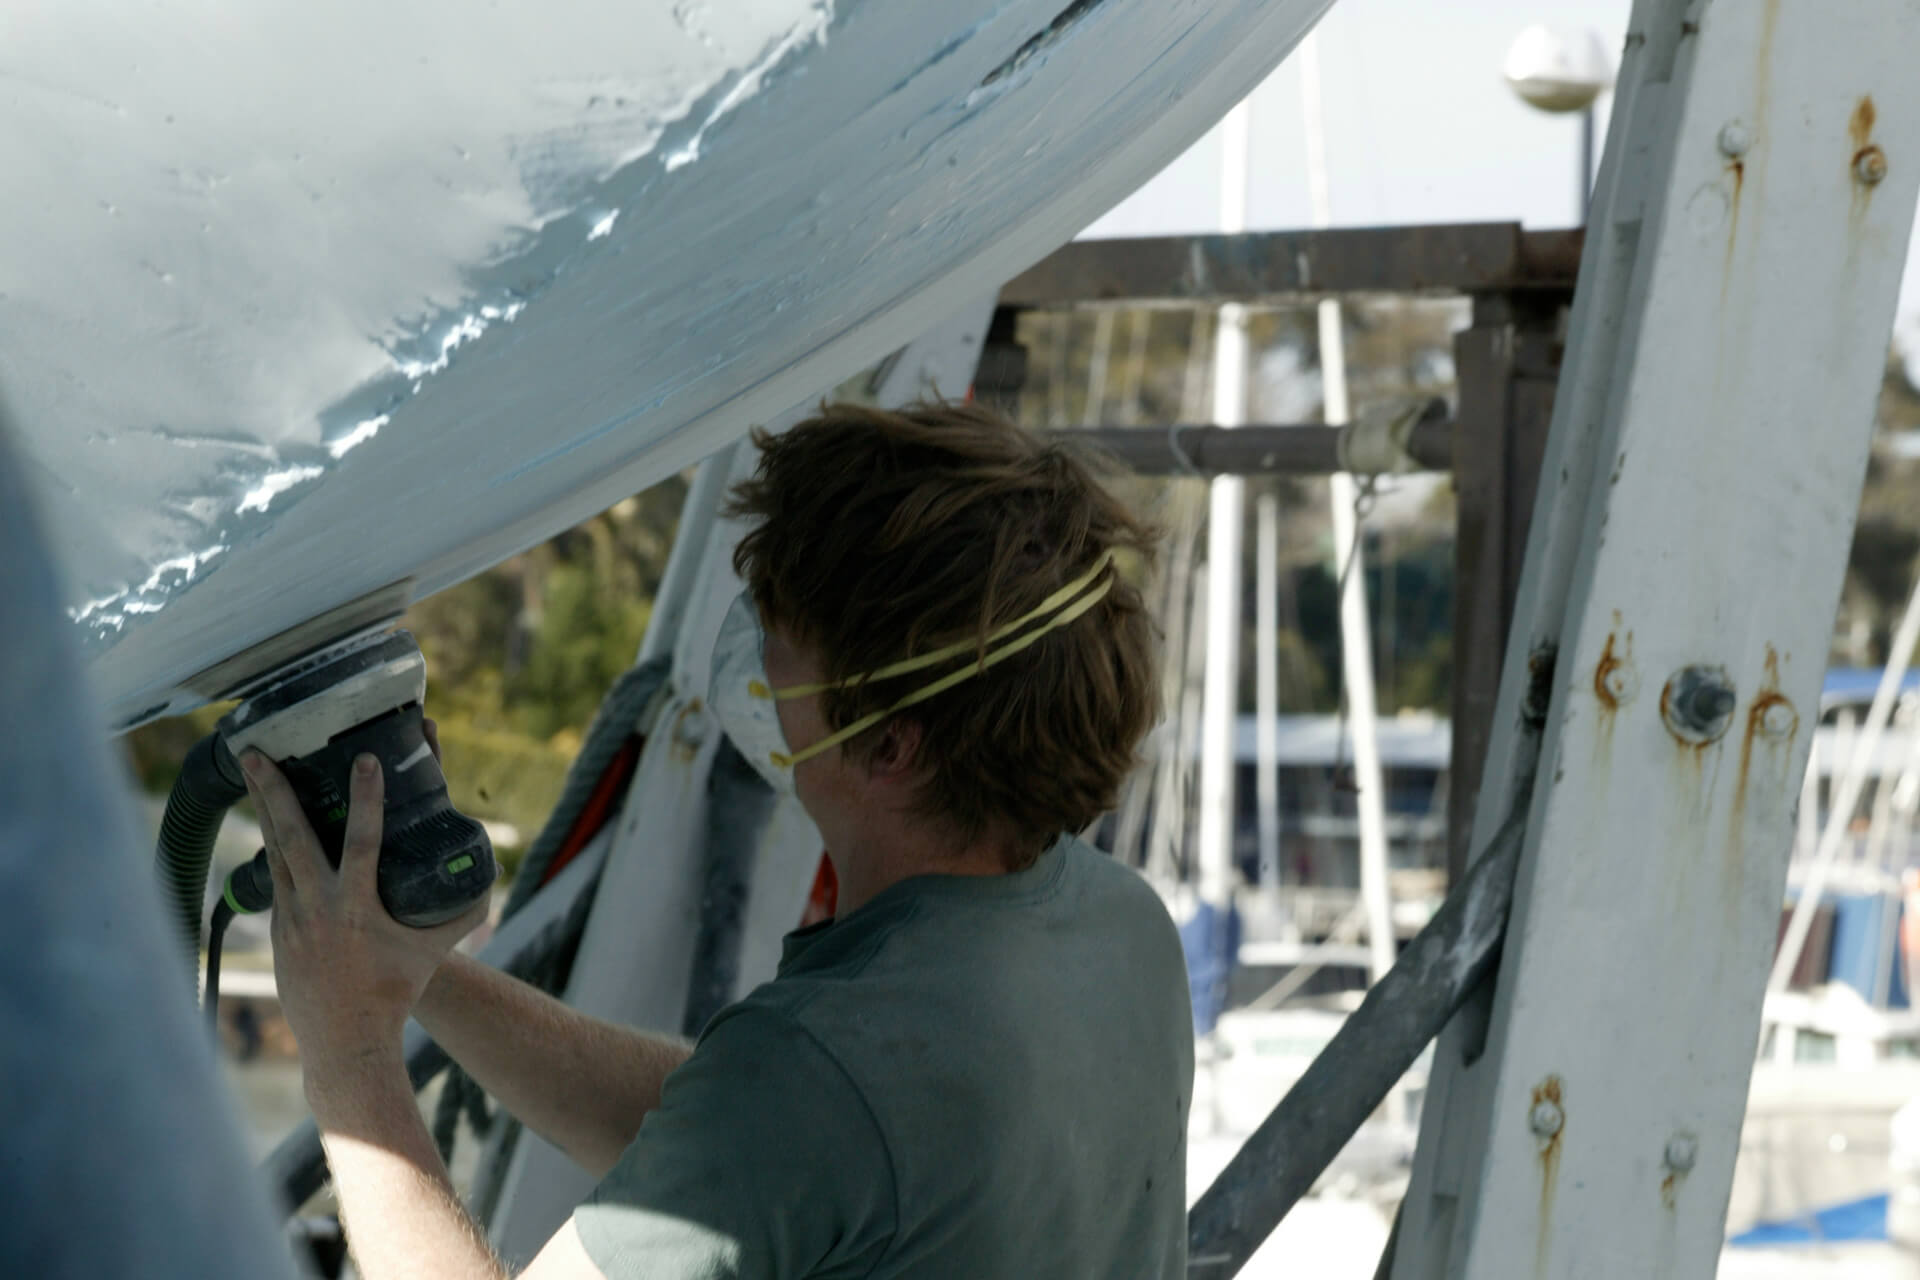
(1667, 1196)
(1867, 157)
(1764, 701)
(685, 748)
(1768, 697)
(1762, 107)
(1607, 665)
(1756, 719)
(1611, 676)
(1738, 168)
(1548, 1090)
(1860, 126)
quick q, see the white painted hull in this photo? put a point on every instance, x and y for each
(306, 301)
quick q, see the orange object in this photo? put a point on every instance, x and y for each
(600, 806)
(824, 896)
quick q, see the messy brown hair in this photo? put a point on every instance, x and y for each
(882, 535)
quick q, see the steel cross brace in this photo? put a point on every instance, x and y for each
(1695, 506)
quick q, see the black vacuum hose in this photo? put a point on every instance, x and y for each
(210, 782)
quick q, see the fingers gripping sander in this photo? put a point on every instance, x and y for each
(365, 697)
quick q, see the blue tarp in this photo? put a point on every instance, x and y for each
(1845, 685)
(1855, 1220)
(1211, 939)
(1861, 946)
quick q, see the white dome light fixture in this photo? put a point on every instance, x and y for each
(1558, 71)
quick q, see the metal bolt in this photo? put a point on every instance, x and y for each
(690, 729)
(1779, 720)
(1546, 1118)
(1735, 139)
(1621, 684)
(1699, 703)
(1870, 166)
(1682, 1149)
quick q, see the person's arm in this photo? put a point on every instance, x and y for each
(402, 1214)
(582, 1084)
(398, 1204)
(347, 974)
(579, 1082)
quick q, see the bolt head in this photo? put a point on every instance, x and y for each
(1620, 683)
(1546, 1119)
(1698, 704)
(1779, 720)
(1709, 703)
(1870, 166)
(690, 729)
(1735, 140)
(1682, 1150)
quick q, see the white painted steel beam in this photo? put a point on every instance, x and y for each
(1696, 504)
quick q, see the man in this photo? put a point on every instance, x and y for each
(981, 1067)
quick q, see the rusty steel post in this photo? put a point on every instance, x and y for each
(1307, 449)
(1506, 365)
(1264, 265)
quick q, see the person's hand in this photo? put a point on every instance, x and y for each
(348, 973)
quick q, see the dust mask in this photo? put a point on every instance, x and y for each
(747, 705)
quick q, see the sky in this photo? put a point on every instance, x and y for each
(1420, 127)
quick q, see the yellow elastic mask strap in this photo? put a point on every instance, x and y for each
(948, 681)
(908, 666)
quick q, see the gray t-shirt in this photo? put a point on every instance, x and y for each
(969, 1077)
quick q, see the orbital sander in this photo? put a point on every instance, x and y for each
(312, 718)
(366, 697)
